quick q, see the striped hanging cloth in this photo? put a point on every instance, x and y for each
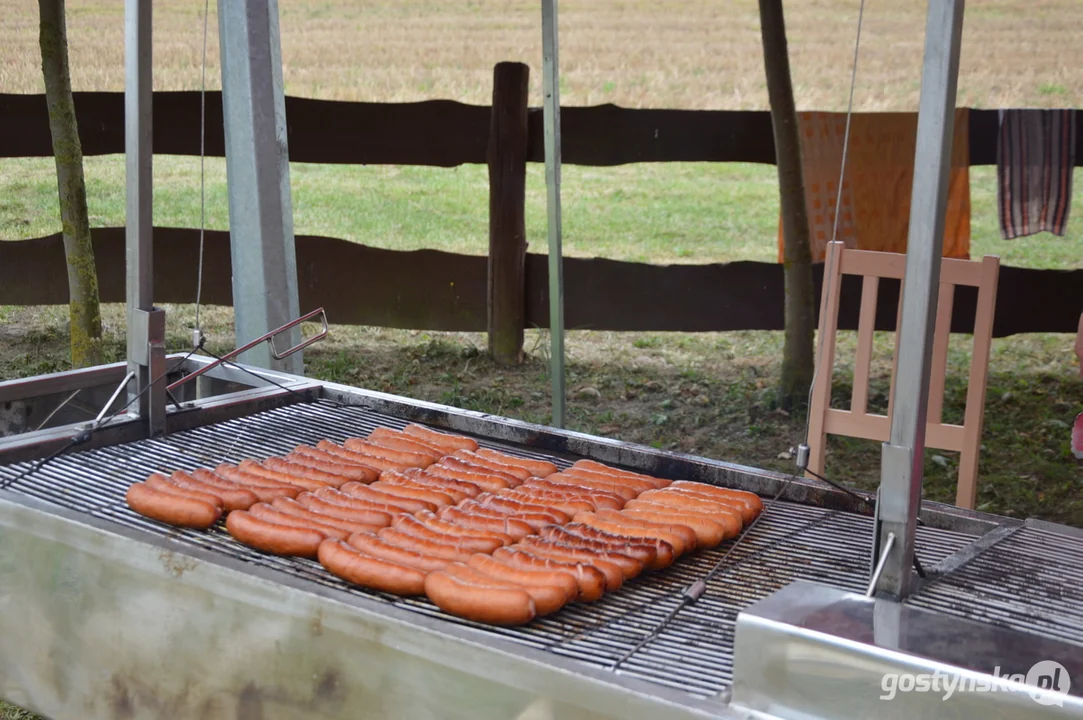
(1035, 160)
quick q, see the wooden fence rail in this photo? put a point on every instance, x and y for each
(435, 290)
(441, 133)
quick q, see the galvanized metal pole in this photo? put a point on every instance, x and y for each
(904, 454)
(258, 173)
(146, 325)
(551, 121)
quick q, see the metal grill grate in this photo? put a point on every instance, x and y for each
(694, 653)
(1032, 581)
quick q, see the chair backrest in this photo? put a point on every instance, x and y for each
(857, 421)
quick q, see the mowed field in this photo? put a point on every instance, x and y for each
(709, 393)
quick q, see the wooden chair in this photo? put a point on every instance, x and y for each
(857, 421)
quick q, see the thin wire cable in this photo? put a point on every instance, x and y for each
(202, 162)
(838, 205)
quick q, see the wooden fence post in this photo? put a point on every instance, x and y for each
(507, 207)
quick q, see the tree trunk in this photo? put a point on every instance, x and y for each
(86, 324)
(798, 363)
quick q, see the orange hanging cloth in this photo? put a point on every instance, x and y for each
(875, 211)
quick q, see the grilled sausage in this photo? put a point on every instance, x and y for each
(374, 546)
(456, 490)
(680, 537)
(435, 497)
(615, 567)
(537, 468)
(333, 495)
(159, 482)
(536, 521)
(263, 511)
(376, 463)
(425, 454)
(589, 579)
(273, 537)
(568, 504)
(448, 550)
(233, 498)
(642, 555)
(254, 468)
(597, 467)
(402, 457)
(750, 500)
(485, 462)
(474, 543)
(516, 507)
(610, 486)
(447, 441)
(262, 493)
(306, 470)
(307, 455)
(405, 504)
(172, 509)
(296, 509)
(547, 599)
(350, 564)
(402, 441)
(362, 516)
(601, 498)
(447, 527)
(710, 530)
(268, 488)
(482, 600)
(641, 548)
(497, 523)
(634, 483)
(558, 579)
(457, 463)
(487, 481)
(684, 500)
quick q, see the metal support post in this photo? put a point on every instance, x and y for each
(145, 323)
(903, 456)
(551, 120)
(258, 174)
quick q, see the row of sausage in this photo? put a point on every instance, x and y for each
(484, 535)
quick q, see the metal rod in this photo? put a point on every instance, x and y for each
(551, 121)
(113, 398)
(138, 159)
(57, 409)
(888, 545)
(267, 338)
(262, 249)
(904, 454)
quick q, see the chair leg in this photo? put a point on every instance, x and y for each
(966, 494)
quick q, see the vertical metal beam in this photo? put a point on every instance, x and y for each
(145, 323)
(258, 173)
(551, 120)
(903, 456)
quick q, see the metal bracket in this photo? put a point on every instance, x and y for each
(299, 346)
(147, 362)
(267, 338)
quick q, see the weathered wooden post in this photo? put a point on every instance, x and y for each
(507, 207)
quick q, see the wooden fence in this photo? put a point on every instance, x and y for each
(508, 290)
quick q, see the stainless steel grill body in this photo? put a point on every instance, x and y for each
(111, 612)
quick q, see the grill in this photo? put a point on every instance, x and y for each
(694, 653)
(1030, 581)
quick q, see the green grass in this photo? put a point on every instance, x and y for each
(665, 213)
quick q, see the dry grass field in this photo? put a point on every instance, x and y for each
(709, 393)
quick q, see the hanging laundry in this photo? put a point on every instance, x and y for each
(875, 205)
(1035, 160)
